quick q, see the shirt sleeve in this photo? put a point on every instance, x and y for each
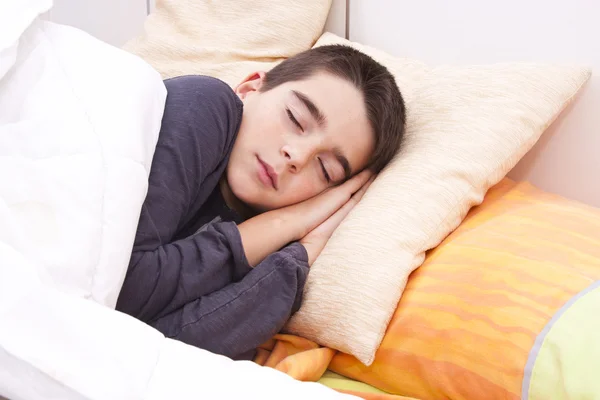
(200, 122)
(243, 315)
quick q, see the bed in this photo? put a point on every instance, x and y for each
(69, 194)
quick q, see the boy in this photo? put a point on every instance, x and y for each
(247, 186)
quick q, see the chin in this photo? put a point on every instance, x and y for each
(251, 194)
(256, 203)
(247, 194)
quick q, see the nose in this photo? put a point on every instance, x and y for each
(296, 157)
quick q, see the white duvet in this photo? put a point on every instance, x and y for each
(78, 124)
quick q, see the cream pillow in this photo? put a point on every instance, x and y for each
(466, 128)
(227, 39)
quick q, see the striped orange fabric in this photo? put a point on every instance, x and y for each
(305, 360)
(470, 315)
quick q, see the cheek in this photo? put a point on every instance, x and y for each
(264, 125)
(234, 180)
(303, 188)
(239, 171)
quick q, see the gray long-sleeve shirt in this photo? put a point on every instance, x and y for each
(188, 275)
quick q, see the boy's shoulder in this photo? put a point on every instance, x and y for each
(201, 85)
(202, 110)
(204, 99)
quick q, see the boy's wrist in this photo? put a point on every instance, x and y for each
(312, 251)
(289, 223)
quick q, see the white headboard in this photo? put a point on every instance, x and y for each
(565, 161)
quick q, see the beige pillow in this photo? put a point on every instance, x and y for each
(467, 127)
(227, 39)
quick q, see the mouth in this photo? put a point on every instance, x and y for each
(267, 174)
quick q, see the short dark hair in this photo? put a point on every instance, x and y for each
(383, 101)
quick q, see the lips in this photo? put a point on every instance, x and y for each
(267, 174)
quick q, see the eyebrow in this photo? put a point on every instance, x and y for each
(312, 108)
(345, 163)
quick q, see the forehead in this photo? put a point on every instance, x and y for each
(342, 104)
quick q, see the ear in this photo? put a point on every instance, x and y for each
(250, 84)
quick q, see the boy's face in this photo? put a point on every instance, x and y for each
(297, 140)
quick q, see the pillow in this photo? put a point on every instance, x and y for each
(467, 126)
(505, 308)
(227, 39)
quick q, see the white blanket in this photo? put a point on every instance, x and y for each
(78, 124)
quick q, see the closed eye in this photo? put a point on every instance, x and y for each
(293, 119)
(327, 177)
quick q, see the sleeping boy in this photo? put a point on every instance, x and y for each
(246, 187)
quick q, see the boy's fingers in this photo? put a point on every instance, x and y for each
(339, 196)
(340, 214)
(357, 181)
(359, 194)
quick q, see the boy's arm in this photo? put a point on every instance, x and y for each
(267, 232)
(199, 126)
(198, 129)
(161, 280)
(240, 317)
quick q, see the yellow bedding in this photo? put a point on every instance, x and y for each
(306, 361)
(506, 307)
(490, 312)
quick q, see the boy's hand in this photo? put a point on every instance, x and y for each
(316, 240)
(309, 214)
(270, 231)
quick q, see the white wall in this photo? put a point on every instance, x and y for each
(113, 21)
(474, 31)
(337, 18)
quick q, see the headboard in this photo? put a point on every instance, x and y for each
(565, 161)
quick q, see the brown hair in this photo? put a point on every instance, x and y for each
(384, 104)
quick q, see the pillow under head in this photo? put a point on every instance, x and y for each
(467, 126)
